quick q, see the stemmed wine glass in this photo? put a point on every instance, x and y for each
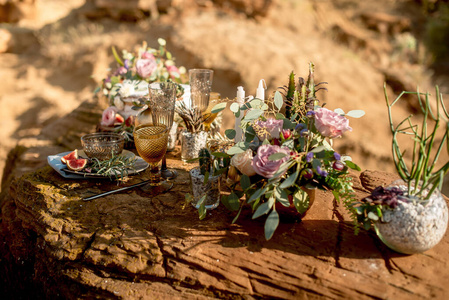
(162, 98)
(151, 143)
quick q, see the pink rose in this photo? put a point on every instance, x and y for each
(108, 118)
(265, 167)
(147, 55)
(242, 161)
(273, 128)
(173, 71)
(331, 124)
(146, 67)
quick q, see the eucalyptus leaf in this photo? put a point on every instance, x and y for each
(352, 165)
(278, 100)
(245, 182)
(202, 207)
(253, 114)
(277, 156)
(235, 150)
(218, 108)
(257, 194)
(234, 201)
(264, 208)
(339, 111)
(256, 103)
(271, 224)
(356, 113)
(290, 180)
(290, 144)
(301, 201)
(289, 124)
(235, 107)
(230, 133)
(281, 196)
(219, 154)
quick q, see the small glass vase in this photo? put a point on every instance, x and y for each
(211, 189)
(413, 226)
(192, 143)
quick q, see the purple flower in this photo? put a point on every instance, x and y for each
(304, 132)
(337, 156)
(272, 126)
(309, 157)
(311, 113)
(121, 71)
(321, 172)
(265, 167)
(300, 126)
(127, 64)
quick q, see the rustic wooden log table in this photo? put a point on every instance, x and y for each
(132, 246)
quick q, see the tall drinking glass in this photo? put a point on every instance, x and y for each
(162, 99)
(200, 87)
(151, 143)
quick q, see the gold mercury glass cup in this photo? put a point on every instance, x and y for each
(151, 143)
(208, 116)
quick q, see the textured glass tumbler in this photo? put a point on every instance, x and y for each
(200, 87)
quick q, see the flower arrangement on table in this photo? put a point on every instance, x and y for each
(279, 157)
(126, 86)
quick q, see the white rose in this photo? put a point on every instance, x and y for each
(119, 103)
(242, 161)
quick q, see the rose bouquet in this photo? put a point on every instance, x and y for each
(126, 85)
(285, 151)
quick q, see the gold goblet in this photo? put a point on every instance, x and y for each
(151, 143)
(208, 116)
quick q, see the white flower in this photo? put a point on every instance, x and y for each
(126, 88)
(119, 103)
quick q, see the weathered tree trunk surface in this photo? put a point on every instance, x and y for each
(129, 245)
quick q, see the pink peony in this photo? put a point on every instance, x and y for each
(273, 128)
(265, 167)
(147, 55)
(146, 67)
(109, 116)
(331, 124)
(173, 71)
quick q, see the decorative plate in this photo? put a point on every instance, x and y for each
(55, 162)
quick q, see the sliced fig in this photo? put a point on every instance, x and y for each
(76, 164)
(70, 156)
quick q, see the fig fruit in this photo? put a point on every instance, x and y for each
(76, 164)
(70, 156)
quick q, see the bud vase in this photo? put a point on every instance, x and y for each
(191, 144)
(414, 225)
(211, 189)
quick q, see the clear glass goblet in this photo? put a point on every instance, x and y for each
(161, 101)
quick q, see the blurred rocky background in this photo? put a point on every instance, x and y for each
(53, 54)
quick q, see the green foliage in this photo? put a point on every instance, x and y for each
(421, 173)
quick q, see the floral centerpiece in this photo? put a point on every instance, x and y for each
(126, 86)
(286, 150)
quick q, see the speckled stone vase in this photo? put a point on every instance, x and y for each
(414, 226)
